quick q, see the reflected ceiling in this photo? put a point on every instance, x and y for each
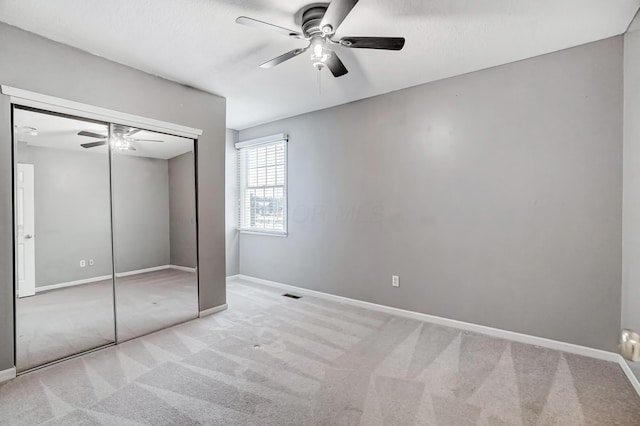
(53, 131)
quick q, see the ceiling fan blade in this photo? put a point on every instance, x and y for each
(91, 134)
(131, 148)
(335, 14)
(267, 26)
(133, 132)
(386, 43)
(93, 144)
(145, 140)
(336, 66)
(282, 58)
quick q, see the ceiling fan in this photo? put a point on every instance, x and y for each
(319, 25)
(121, 138)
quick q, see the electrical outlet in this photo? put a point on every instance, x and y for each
(91, 262)
(395, 281)
(83, 263)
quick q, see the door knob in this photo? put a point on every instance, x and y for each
(28, 237)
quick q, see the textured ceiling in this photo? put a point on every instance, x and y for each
(197, 42)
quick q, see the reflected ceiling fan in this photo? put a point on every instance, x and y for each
(319, 24)
(121, 139)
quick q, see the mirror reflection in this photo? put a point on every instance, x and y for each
(105, 225)
(154, 217)
(64, 286)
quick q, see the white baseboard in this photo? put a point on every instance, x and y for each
(154, 269)
(461, 325)
(627, 370)
(143, 271)
(481, 329)
(182, 268)
(212, 311)
(8, 374)
(108, 277)
(72, 283)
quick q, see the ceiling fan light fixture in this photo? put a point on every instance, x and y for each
(119, 142)
(317, 49)
(320, 53)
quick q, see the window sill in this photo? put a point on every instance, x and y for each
(265, 233)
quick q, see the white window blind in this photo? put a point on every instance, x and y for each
(262, 165)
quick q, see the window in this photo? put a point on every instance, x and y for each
(262, 165)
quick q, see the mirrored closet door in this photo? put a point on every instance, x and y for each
(64, 286)
(106, 234)
(154, 225)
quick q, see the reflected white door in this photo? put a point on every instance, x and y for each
(26, 226)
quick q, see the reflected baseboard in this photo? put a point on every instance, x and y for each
(108, 277)
(213, 310)
(633, 379)
(72, 283)
(182, 268)
(8, 374)
(154, 269)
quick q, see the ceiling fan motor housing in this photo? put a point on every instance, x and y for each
(311, 20)
(120, 129)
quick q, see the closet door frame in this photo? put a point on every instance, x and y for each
(27, 100)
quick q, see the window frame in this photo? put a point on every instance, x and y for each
(242, 178)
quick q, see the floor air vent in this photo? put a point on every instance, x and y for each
(293, 296)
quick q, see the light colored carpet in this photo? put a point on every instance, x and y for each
(271, 360)
(58, 323)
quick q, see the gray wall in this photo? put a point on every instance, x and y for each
(231, 205)
(140, 212)
(154, 212)
(495, 196)
(631, 206)
(72, 213)
(182, 210)
(34, 63)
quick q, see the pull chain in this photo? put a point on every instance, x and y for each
(319, 81)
